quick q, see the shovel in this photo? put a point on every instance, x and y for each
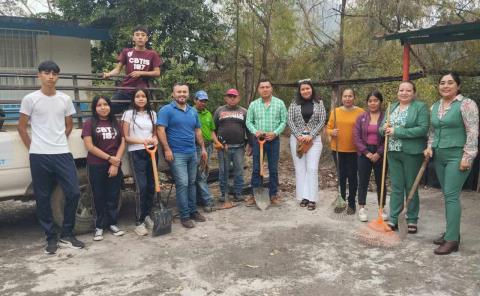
(162, 217)
(262, 198)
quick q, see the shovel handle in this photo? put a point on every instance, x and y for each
(261, 141)
(416, 182)
(152, 151)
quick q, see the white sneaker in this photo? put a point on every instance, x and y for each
(116, 230)
(141, 230)
(98, 236)
(384, 215)
(149, 222)
(362, 215)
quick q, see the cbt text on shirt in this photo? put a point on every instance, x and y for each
(106, 138)
(138, 60)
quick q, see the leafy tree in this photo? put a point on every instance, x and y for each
(181, 31)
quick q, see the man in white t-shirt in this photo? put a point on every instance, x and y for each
(50, 114)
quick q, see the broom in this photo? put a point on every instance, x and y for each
(377, 232)
(339, 203)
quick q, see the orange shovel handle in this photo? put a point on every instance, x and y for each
(261, 142)
(152, 151)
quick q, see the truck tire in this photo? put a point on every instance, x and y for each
(84, 219)
(84, 213)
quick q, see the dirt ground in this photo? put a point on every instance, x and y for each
(285, 250)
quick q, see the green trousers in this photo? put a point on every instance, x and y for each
(402, 169)
(447, 162)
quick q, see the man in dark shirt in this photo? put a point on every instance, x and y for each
(231, 131)
(141, 64)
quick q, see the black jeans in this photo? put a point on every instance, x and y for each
(347, 167)
(46, 170)
(365, 167)
(106, 192)
(143, 173)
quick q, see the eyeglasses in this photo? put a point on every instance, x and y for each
(304, 80)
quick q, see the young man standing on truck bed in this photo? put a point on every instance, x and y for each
(141, 64)
(50, 114)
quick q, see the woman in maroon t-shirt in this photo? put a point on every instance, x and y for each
(105, 143)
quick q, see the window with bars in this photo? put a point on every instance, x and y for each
(18, 53)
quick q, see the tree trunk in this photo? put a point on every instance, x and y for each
(248, 83)
(339, 58)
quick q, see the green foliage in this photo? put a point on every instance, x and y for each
(181, 31)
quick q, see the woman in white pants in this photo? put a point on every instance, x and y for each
(306, 118)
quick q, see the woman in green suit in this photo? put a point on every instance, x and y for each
(407, 130)
(453, 142)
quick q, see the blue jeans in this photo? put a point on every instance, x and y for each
(46, 169)
(235, 155)
(203, 194)
(143, 174)
(272, 150)
(184, 171)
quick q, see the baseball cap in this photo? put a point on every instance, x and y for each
(232, 92)
(201, 95)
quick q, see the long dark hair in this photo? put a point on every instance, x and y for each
(298, 97)
(148, 107)
(95, 117)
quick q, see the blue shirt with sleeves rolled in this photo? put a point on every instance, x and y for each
(179, 127)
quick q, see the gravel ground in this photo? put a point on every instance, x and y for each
(285, 250)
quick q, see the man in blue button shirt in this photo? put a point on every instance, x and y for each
(178, 126)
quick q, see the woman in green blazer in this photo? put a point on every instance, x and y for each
(407, 130)
(453, 142)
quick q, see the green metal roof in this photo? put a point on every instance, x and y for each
(440, 33)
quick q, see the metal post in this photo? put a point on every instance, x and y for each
(76, 95)
(406, 62)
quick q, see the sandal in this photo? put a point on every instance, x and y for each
(304, 203)
(311, 206)
(412, 228)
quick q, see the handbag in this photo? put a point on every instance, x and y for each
(303, 148)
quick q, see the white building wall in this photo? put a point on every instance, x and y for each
(71, 54)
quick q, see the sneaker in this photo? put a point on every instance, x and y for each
(275, 200)
(115, 230)
(71, 242)
(384, 215)
(362, 215)
(197, 217)
(141, 229)
(98, 236)
(51, 247)
(250, 202)
(149, 222)
(350, 211)
(187, 223)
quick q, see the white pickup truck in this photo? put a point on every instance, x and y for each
(16, 180)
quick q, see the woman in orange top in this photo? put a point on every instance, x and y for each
(341, 133)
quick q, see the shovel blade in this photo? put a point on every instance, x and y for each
(162, 222)
(262, 198)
